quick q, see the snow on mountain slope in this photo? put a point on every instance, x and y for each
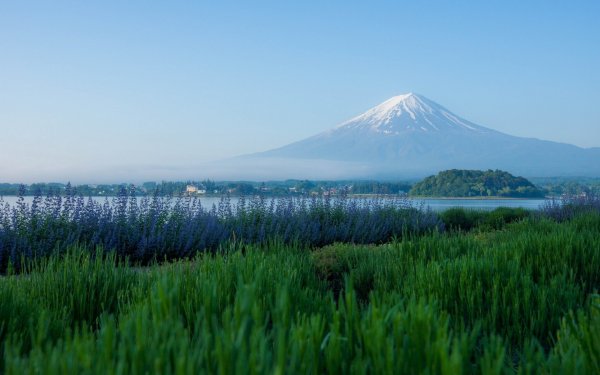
(409, 112)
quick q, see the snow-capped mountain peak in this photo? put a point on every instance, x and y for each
(408, 113)
(410, 135)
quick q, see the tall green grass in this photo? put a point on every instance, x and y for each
(520, 299)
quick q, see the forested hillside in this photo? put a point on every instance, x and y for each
(473, 183)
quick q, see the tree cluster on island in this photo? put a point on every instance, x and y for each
(474, 183)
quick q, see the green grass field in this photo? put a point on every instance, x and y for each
(514, 298)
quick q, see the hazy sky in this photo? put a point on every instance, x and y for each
(95, 92)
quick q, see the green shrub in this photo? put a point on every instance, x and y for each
(460, 219)
(501, 216)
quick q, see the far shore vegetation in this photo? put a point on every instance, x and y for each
(473, 183)
(447, 184)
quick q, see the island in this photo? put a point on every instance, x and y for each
(474, 183)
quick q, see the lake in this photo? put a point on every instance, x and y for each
(481, 204)
(435, 204)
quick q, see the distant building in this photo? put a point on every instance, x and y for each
(193, 189)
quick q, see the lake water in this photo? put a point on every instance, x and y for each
(434, 204)
(481, 204)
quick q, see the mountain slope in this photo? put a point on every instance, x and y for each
(410, 135)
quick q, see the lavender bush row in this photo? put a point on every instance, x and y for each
(569, 206)
(167, 228)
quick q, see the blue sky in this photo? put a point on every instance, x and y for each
(96, 91)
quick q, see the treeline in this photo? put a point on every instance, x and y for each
(559, 186)
(209, 187)
(282, 188)
(56, 188)
(457, 183)
(473, 183)
(375, 187)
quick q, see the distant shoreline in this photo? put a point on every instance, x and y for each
(443, 198)
(480, 198)
(308, 196)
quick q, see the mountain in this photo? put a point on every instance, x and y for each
(411, 136)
